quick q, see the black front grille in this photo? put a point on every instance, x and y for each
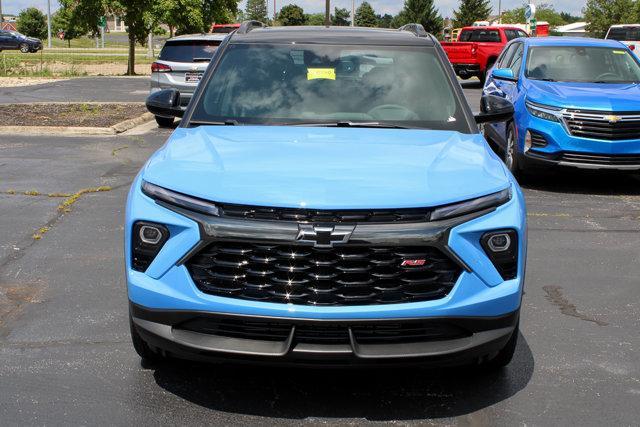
(537, 139)
(607, 126)
(324, 216)
(601, 159)
(328, 333)
(343, 275)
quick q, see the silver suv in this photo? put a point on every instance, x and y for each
(181, 64)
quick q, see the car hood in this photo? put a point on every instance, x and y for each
(588, 96)
(326, 168)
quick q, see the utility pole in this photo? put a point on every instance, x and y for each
(274, 10)
(499, 11)
(1, 17)
(353, 13)
(49, 23)
(327, 13)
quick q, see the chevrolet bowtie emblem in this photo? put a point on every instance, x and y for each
(613, 119)
(324, 236)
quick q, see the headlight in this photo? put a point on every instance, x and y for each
(544, 112)
(179, 199)
(469, 206)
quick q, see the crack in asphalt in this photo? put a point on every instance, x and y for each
(555, 296)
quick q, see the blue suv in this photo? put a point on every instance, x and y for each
(577, 103)
(327, 198)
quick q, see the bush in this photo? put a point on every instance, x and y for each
(31, 22)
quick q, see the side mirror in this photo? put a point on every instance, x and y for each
(503, 74)
(494, 109)
(165, 103)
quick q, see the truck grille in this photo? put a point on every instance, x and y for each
(331, 333)
(339, 276)
(324, 216)
(601, 125)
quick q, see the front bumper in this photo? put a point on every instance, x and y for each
(565, 150)
(479, 293)
(168, 332)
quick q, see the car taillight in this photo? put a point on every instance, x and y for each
(156, 67)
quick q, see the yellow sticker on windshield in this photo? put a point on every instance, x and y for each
(321, 73)
(620, 52)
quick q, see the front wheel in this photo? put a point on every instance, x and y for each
(24, 48)
(148, 356)
(505, 355)
(164, 122)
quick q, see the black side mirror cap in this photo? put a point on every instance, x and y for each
(165, 102)
(494, 109)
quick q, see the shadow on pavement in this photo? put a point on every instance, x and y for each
(372, 394)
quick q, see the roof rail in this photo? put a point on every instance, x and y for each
(416, 29)
(247, 26)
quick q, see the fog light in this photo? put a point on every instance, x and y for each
(150, 235)
(147, 239)
(501, 246)
(527, 141)
(499, 242)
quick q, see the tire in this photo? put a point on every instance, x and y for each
(505, 355)
(148, 356)
(24, 48)
(510, 155)
(164, 122)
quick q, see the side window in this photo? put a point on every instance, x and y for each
(511, 34)
(505, 59)
(516, 62)
(522, 34)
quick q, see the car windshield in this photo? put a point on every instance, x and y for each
(624, 34)
(331, 85)
(582, 64)
(188, 50)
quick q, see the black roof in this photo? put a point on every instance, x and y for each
(332, 35)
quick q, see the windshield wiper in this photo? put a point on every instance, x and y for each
(545, 79)
(350, 124)
(224, 123)
(201, 59)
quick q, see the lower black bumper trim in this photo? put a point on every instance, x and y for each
(161, 330)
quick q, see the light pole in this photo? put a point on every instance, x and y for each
(1, 17)
(353, 13)
(49, 23)
(327, 13)
(499, 11)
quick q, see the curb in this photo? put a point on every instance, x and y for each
(75, 130)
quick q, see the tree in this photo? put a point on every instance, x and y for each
(291, 15)
(601, 14)
(471, 11)
(421, 12)
(139, 18)
(316, 19)
(544, 12)
(62, 21)
(181, 16)
(256, 10)
(31, 22)
(384, 21)
(569, 18)
(341, 17)
(366, 16)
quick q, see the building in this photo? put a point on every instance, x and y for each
(8, 23)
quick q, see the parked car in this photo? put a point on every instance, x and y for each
(576, 102)
(478, 48)
(181, 64)
(13, 40)
(307, 211)
(628, 34)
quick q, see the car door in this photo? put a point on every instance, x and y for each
(504, 88)
(4, 39)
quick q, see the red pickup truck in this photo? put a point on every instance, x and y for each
(478, 48)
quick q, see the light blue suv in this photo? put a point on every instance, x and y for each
(577, 103)
(324, 202)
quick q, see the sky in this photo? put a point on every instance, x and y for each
(313, 6)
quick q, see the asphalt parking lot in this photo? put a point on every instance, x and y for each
(66, 357)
